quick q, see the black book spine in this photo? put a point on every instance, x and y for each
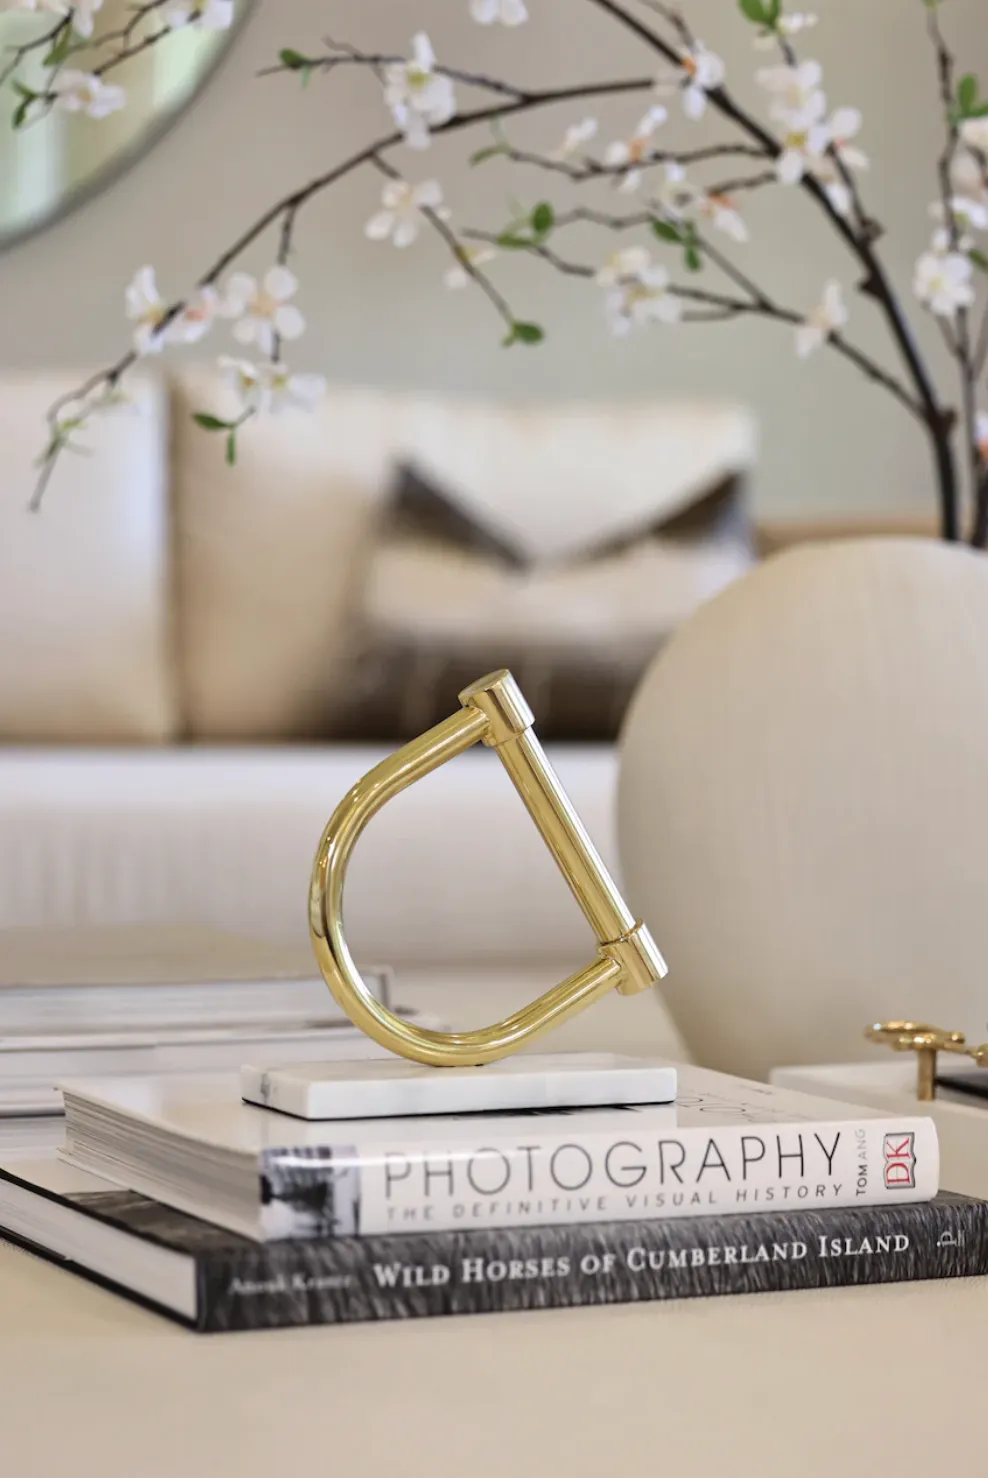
(346, 1280)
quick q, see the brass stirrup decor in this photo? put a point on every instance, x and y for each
(495, 713)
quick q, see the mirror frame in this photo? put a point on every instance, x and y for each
(104, 178)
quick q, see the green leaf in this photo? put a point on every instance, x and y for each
(511, 241)
(967, 94)
(979, 259)
(980, 110)
(293, 60)
(27, 97)
(693, 257)
(543, 218)
(524, 333)
(755, 11)
(491, 152)
(666, 231)
(60, 49)
(774, 13)
(210, 423)
(231, 448)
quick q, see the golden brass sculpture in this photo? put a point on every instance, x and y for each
(927, 1042)
(495, 713)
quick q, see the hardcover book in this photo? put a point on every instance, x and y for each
(213, 1280)
(726, 1146)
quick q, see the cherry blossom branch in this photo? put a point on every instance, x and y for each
(108, 379)
(126, 32)
(500, 303)
(592, 169)
(756, 304)
(375, 61)
(963, 351)
(875, 283)
(19, 53)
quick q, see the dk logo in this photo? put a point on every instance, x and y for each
(900, 1162)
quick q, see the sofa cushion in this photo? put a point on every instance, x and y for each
(557, 481)
(268, 553)
(85, 643)
(445, 600)
(273, 553)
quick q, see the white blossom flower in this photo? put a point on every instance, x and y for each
(968, 175)
(56, 7)
(680, 200)
(271, 386)
(84, 92)
(786, 26)
(981, 434)
(798, 101)
(722, 213)
(845, 125)
(628, 154)
(827, 317)
(829, 147)
(638, 291)
(195, 320)
(145, 310)
(401, 217)
(974, 132)
(575, 137)
(943, 282)
(803, 153)
(677, 196)
(956, 224)
(457, 276)
(419, 97)
(208, 15)
(263, 311)
(970, 213)
(508, 12)
(83, 11)
(705, 71)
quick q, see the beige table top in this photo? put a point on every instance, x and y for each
(854, 1383)
(858, 1383)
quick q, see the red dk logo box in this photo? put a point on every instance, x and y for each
(900, 1162)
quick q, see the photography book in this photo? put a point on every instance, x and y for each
(726, 1146)
(213, 1280)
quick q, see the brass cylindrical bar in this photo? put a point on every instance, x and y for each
(495, 713)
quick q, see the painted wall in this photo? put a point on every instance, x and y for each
(832, 443)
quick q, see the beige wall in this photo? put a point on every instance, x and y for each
(831, 442)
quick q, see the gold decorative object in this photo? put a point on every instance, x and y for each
(495, 713)
(926, 1042)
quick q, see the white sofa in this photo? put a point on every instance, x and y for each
(170, 631)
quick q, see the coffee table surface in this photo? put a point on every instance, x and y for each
(859, 1383)
(852, 1383)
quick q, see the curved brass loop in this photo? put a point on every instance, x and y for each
(493, 713)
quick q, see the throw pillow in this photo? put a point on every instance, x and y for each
(447, 598)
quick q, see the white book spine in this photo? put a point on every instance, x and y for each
(532, 1179)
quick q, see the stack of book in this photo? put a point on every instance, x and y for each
(231, 1216)
(93, 1002)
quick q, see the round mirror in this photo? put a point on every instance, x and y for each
(51, 162)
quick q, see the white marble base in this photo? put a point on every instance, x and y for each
(392, 1088)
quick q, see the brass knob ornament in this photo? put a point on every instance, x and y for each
(927, 1042)
(494, 713)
